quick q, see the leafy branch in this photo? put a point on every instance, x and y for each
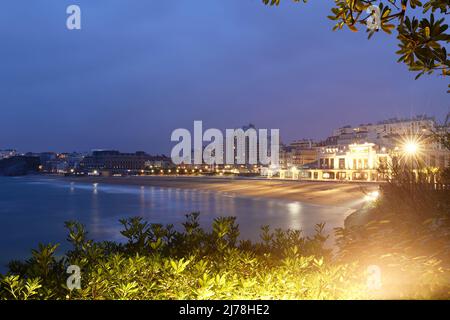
(422, 40)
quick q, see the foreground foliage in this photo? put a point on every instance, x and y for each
(159, 262)
(421, 28)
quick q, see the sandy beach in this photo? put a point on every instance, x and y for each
(322, 193)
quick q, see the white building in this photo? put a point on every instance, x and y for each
(385, 133)
(355, 162)
(393, 134)
(352, 162)
(368, 152)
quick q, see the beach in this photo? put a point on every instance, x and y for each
(322, 193)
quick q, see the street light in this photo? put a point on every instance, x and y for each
(411, 148)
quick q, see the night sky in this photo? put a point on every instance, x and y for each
(139, 69)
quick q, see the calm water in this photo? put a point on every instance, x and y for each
(33, 210)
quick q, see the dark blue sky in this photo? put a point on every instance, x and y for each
(141, 68)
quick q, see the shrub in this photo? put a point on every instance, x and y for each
(158, 262)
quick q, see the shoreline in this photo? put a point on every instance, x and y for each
(327, 193)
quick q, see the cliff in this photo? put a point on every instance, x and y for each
(19, 165)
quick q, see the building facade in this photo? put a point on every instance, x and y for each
(366, 152)
(113, 162)
(299, 155)
(355, 162)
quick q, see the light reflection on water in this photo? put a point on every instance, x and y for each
(33, 210)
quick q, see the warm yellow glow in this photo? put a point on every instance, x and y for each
(372, 196)
(411, 147)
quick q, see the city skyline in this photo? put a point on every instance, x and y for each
(135, 73)
(323, 139)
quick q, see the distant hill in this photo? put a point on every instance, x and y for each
(19, 165)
